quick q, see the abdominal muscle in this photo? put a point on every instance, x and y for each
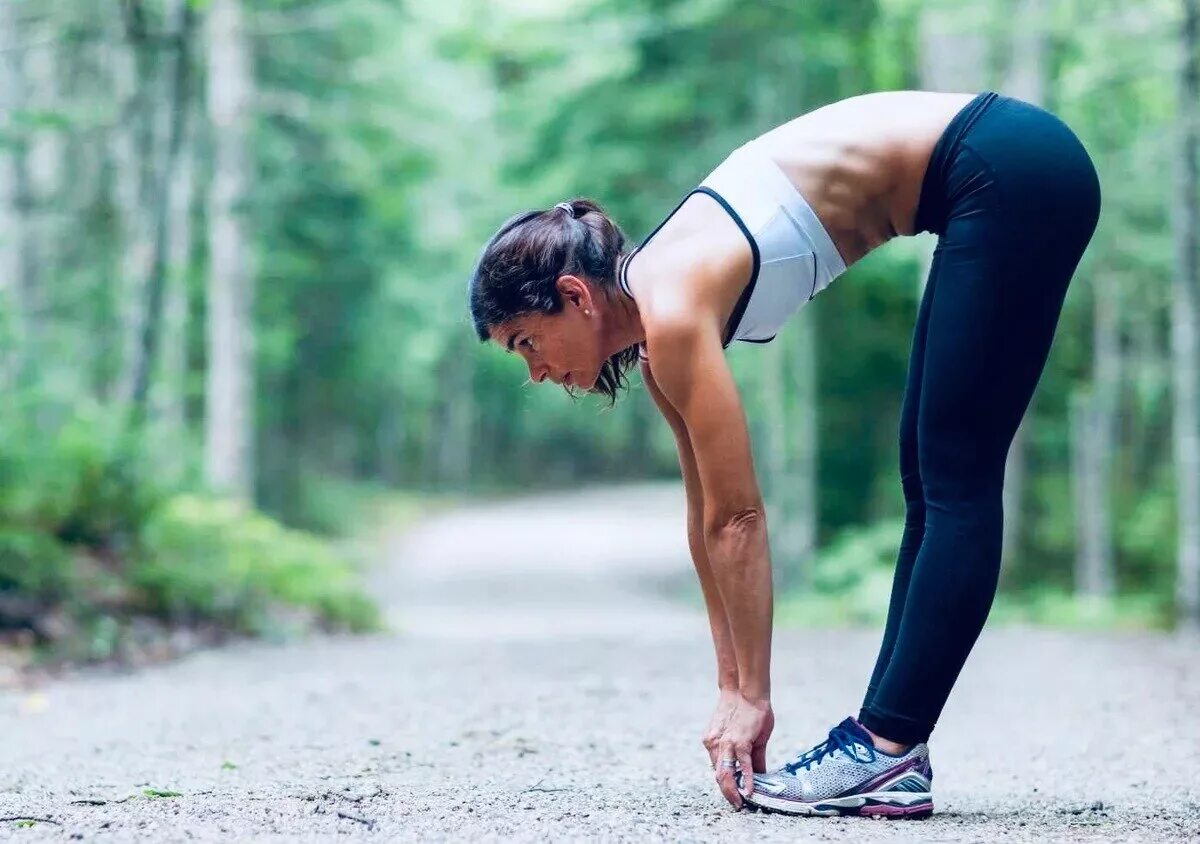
(860, 162)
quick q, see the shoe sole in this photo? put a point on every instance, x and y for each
(880, 804)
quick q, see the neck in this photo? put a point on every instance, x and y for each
(625, 321)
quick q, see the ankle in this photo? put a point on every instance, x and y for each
(887, 745)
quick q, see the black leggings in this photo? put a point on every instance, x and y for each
(1014, 199)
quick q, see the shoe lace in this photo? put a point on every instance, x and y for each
(839, 739)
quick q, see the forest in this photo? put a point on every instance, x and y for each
(234, 245)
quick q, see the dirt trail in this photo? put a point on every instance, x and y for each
(537, 685)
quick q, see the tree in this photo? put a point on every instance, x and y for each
(171, 124)
(12, 195)
(1185, 320)
(229, 387)
(135, 157)
(1026, 79)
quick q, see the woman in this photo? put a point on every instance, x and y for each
(1013, 198)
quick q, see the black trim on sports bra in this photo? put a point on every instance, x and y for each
(739, 309)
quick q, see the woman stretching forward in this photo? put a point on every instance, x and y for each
(1014, 199)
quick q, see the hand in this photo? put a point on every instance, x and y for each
(726, 703)
(744, 739)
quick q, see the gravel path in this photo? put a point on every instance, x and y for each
(536, 688)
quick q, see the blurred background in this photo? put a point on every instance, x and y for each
(234, 244)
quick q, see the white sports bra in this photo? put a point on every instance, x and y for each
(793, 257)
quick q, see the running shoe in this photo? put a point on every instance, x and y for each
(846, 775)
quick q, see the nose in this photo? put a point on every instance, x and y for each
(538, 374)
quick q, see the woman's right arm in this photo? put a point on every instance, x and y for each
(727, 672)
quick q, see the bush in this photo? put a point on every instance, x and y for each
(77, 481)
(850, 579)
(851, 582)
(201, 558)
(98, 558)
(1056, 608)
(34, 564)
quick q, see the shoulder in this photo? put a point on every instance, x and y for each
(678, 338)
(679, 284)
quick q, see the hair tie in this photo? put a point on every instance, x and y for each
(566, 206)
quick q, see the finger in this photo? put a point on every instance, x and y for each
(744, 763)
(728, 786)
(725, 775)
(710, 744)
(758, 756)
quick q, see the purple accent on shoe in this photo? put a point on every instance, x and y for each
(896, 811)
(869, 785)
(927, 769)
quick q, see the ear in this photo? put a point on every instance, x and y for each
(574, 291)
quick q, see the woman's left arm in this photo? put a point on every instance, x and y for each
(692, 373)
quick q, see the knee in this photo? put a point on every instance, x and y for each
(910, 471)
(976, 500)
(914, 491)
(914, 501)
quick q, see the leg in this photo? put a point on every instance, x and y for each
(1001, 284)
(910, 480)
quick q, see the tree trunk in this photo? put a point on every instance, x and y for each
(173, 130)
(1025, 79)
(1092, 573)
(952, 49)
(44, 162)
(455, 450)
(229, 386)
(12, 210)
(801, 531)
(1093, 439)
(1185, 322)
(167, 399)
(133, 166)
(772, 464)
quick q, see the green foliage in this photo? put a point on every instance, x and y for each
(212, 559)
(869, 320)
(389, 141)
(90, 538)
(77, 480)
(1059, 608)
(34, 564)
(849, 580)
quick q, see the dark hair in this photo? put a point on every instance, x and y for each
(519, 267)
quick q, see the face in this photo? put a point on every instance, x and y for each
(564, 347)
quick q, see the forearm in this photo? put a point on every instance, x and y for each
(729, 653)
(727, 667)
(739, 557)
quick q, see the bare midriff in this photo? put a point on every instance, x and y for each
(860, 162)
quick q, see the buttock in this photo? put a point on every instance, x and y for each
(1002, 156)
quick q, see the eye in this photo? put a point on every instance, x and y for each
(528, 343)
